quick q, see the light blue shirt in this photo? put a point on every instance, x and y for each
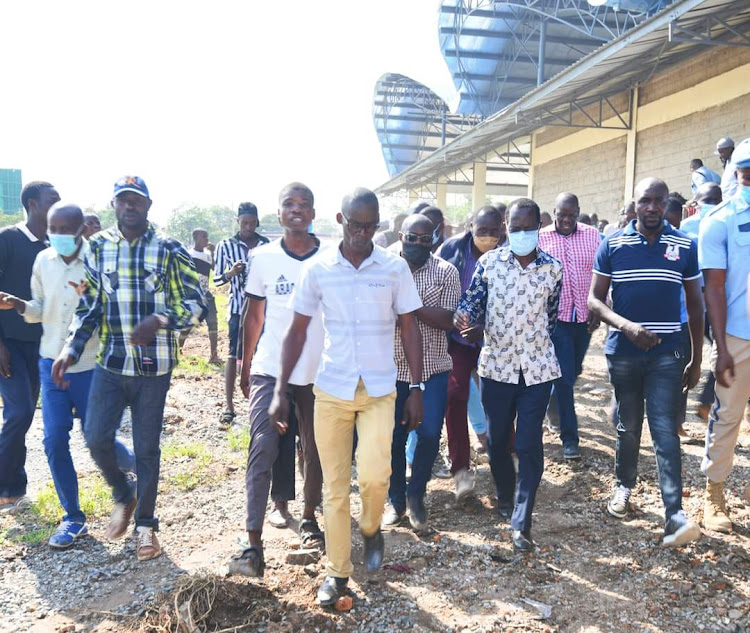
(359, 307)
(701, 176)
(729, 180)
(724, 244)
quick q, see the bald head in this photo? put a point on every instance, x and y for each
(652, 185)
(566, 199)
(417, 223)
(708, 193)
(66, 211)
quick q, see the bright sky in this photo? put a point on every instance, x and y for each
(211, 102)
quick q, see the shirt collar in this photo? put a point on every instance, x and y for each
(376, 257)
(114, 234)
(506, 255)
(631, 230)
(21, 226)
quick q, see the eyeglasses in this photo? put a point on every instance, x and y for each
(361, 227)
(413, 238)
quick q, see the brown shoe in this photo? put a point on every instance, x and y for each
(715, 516)
(146, 544)
(119, 520)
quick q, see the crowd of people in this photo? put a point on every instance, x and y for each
(364, 348)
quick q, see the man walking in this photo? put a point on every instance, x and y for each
(56, 279)
(700, 175)
(362, 290)
(439, 289)
(574, 245)
(648, 263)
(274, 272)
(142, 289)
(724, 254)
(230, 267)
(487, 230)
(515, 291)
(724, 150)
(19, 341)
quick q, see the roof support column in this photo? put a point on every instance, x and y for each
(630, 150)
(542, 53)
(479, 188)
(441, 197)
(532, 144)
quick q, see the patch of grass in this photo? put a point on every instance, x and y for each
(193, 465)
(195, 366)
(239, 438)
(173, 451)
(222, 305)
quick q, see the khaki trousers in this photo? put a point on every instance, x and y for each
(334, 435)
(727, 413)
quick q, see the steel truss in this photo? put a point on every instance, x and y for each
(703, 33)
(581, 114)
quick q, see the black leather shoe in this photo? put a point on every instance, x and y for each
(374, 546)
(522, 542)
(505, 511)
(331, 590)
(417, 513)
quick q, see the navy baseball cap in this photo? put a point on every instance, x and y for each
(131, 183)
(741, 156)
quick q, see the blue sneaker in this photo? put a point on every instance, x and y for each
(67, 534)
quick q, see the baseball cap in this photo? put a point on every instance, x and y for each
(723, 143)
(741, 155)
(131, 183)
(247, 207)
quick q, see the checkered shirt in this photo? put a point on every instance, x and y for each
(576, 252)
(128, 282)
(439, 286)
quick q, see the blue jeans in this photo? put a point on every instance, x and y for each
(657, 380)
(145, 395)
(57, 416)
(504, 403)
(571, 341)
(435, 398)
(19, 393)
(477, 416)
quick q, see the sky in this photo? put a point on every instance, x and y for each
(211, 103)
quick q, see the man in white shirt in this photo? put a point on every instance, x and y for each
(274, 270)
(56, 282)
(724, 150)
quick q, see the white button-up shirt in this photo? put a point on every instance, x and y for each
(54, 302)
(359, 307)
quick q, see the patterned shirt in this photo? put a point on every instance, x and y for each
(439, 286)
(359, 307)
(576, 252)
(228, 253)
(519, 307)
(127, 282)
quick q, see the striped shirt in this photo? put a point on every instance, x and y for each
(228, 253)
(359, 307)
(439, 286)
(647, 281)
(576, 252)
(128, 282)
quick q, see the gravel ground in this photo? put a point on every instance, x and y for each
(590, 572)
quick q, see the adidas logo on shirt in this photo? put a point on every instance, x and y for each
(284, 287)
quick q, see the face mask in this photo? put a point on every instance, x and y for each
(415, 254)
(436, 236)
(743, 193)
(705, 208)
(523, 242)
(65, 245)
(486, 243)
(310, 228)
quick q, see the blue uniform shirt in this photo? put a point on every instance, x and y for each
(724, 244)
(647, 281)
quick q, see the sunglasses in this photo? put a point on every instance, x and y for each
(411, 238)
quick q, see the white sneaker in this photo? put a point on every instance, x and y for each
(680, 530)
(464, 482)
(619, 504)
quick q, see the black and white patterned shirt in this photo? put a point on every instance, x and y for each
(228, 253)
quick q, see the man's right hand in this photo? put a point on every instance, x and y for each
(724, 371)
(461, 320)
(237, 269)
(4, 361)
(59, 367)
(245, 379)
(10, 302)
(640, 337)
(278, 412)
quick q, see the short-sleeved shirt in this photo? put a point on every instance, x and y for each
(359, 307)
(729, 180)
(439, 286)
(203, 262)
(273, 273)
(701, 176)
(647, 282)
(724, 244)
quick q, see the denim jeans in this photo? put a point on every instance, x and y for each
(571, 341)
(657, 379)
(145, 395)
(504, 403)
(434, 397)
(57, 417)
(477, 416)
(19, 393)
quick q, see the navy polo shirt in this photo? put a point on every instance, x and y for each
(647, 284)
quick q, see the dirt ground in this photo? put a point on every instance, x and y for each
(590, 572)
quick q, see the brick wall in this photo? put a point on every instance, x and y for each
(596, 175)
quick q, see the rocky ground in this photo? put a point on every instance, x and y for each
(590, 572)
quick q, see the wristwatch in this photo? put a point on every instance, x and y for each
(417, 385)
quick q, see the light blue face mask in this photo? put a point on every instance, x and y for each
(65, 245)
(523, 242)
(743, 193)
(705, 209)
(436, 236)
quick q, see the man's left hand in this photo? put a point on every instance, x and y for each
(145, 331)
(413, 410)
(691, 376)
(593, 322)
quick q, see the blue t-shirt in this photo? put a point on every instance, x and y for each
(647, 282)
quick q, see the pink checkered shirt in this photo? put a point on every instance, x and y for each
(576, 252)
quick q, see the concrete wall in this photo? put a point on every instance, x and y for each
(596, 175)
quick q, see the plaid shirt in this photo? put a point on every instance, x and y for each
(128, 282)
(228, 253)
(576, 252)
(439, 286)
